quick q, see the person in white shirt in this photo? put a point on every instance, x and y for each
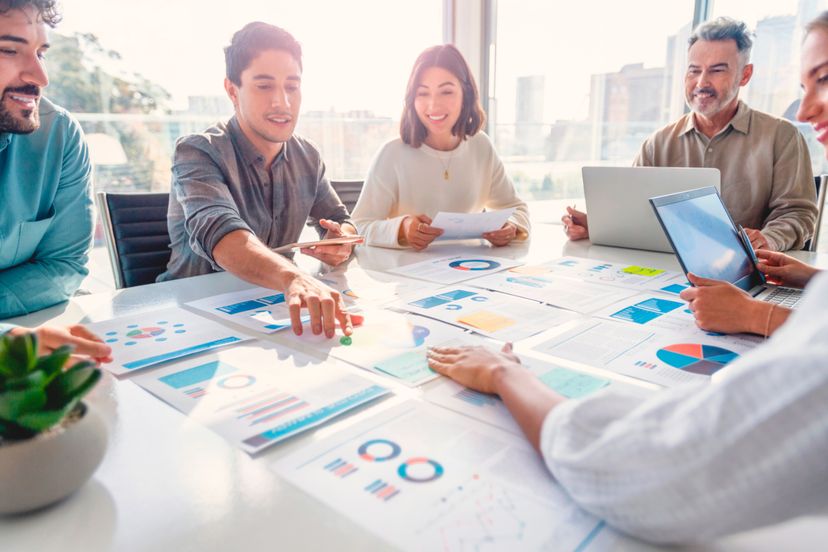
(697, 461)
(441, 162)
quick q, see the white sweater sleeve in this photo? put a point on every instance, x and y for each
(697, 462)
(503, 195)
(380, 194)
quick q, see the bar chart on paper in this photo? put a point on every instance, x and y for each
(258, 396)
(491, 314)
(407, 475)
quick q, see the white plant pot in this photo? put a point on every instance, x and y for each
(48, 467)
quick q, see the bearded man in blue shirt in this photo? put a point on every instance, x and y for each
(45, 173)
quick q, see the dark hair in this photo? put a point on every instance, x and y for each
(47, 10)
(253, 39)
(472, 117)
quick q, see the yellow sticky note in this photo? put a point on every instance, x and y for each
(487, 321)
(642, 271)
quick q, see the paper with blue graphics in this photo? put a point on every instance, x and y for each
(260, 309)
(143, 340)
(422, 477)
(389, 343)
(583, 297)
(494, 315)
(652, 311)
(454, 269)
(256, 396)
(572, 384)
(462, 226)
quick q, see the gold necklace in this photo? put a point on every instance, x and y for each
(446, 165)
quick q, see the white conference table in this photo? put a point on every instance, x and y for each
(170, 484)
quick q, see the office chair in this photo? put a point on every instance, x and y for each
(135, 227)
(819, 180)
(348, 192)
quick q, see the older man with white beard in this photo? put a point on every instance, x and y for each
(767, 180)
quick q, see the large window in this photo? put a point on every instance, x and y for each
(140, 73)
(587, 85)
(583, 86)
(774, 87)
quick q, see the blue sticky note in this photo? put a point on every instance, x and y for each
(571, 384)
(411, 367)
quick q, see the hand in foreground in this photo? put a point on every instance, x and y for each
(722, 307)
(475, 367)
(575, 224)
(331, 254)
(757, 239)
(87, 346)
(502, 237)
(784, 270)
(325, 306)
(416, 231)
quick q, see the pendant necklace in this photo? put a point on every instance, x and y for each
(446, 166)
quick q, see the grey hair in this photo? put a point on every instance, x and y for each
(725, 28)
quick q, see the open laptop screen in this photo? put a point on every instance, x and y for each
(704, 237)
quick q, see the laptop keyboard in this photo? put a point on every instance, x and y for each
(784, 296)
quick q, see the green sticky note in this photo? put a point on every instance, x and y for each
(642, 271)
(572, 385)
(411, 366)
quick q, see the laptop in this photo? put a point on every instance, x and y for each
(617, 202)
(708, 244)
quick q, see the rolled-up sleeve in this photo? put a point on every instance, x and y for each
(792, 203)
(504, 196)
(700, 461)
(206, 205)
(326, 204)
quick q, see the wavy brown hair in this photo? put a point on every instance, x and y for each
(46, 9)
(472, 117)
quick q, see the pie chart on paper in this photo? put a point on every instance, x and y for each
(696, 358)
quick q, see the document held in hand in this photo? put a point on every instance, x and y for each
(462, 226)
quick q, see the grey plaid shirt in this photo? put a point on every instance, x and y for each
(220, 184)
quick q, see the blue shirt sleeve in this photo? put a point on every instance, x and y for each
(58, 265)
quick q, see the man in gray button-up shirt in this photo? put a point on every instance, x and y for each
(249, 185)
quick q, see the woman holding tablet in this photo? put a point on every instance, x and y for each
(697, 461)
(441, 162)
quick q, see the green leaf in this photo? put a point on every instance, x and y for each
(41, 421)
(14, 404)
(52, 364)
(21, 354)
(35, 380)
(9, 430)
(72, 384)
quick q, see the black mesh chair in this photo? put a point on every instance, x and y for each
(348, 192)
(819, 180)
(135, 226)
(820, 189)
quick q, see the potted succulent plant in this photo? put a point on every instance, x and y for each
(50, 442)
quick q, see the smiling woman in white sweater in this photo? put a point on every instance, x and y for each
(441, 162)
